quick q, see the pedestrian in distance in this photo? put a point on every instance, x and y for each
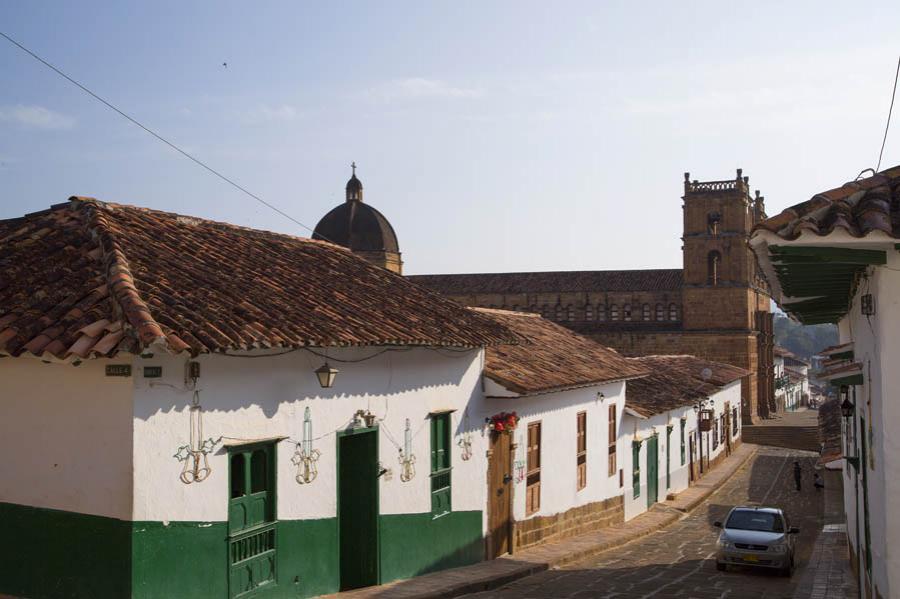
(798, 474)
(818, 482)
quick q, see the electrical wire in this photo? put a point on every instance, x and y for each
(157, 135)
(890, 110)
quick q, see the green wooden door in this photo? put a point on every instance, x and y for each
(668, 457)
(652, 470)
(358, 507)
(251, 520)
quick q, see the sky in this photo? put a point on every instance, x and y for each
(495, 136)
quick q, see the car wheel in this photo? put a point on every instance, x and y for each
(721, 567)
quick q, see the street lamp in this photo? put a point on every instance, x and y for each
(326, 374)
(847, 406)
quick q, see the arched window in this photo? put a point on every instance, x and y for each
(673, 312)
(626, 312)
(660, 312)
(601, 312)
(559, 312)
(614, 312)
(570, 313)
(713, 266)
(713, 219)
(645, 311)
(588, 312)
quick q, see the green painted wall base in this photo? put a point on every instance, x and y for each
(49, 554)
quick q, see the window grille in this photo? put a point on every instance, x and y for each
(533, 472)
(611, 441)
(614, 312)
(673, 312)
(660, 312)
(626, 312)
(645, 312)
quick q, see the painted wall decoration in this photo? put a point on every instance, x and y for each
(194, 455)
(407, 458)
(305, 456)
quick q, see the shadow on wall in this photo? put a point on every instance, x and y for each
(229, 383)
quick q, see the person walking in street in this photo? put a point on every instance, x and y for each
(798, 474)
(818, 482)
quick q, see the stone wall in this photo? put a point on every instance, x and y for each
(577, 520)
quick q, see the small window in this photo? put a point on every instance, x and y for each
(636, 469)
(238, 476)
(611, 441)
(533, 470)
(440, 464)
(570, 313)
(581, 449)
(715, 432)
(660, 312)
(601, 312)
(713, 267)
(645, 312)
(259, 471)
(734, 421)
(626, 312)
(588, 312)
(673, 312)
(712, 223)
(614, 312)
(559, 312)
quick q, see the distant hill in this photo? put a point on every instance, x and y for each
(804, 340)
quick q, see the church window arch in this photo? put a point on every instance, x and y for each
(645, 312)
(546, 312)
(713, 221)
(588, 312)
(626, 312)
(601, 312)
(614, 312)
(660, 312)
(559, 313)
(673, 312)
(570, 313)
(713, 267)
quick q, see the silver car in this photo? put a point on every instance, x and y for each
(756, 536)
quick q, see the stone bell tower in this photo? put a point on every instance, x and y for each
(725, 301)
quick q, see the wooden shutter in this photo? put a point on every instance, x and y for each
(581, 449)
(440, 464)
(611, 463)
(533, 475)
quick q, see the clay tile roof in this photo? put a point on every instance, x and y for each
(675, 382)
(859, 208)
(549, 357)
(563, 281)
(830, 431)
(88, 278)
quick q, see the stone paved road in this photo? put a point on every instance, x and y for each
(679, 561)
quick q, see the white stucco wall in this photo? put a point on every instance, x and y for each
(266, 397)
(65, 432)
(876, 346)
(557, 413)
(680, 475)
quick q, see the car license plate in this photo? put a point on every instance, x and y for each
(751, 558)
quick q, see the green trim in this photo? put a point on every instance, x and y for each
(54, 553)
(830, 254)
(855, 379)
(414, 544)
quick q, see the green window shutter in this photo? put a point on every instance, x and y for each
(440, 464)
(683, 423)
(636, 468)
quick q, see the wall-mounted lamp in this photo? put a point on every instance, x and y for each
(326, 374)
(847, 407)
(600, 396)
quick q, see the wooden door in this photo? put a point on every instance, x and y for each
(499, 494)
(652, 470)
(691, 472)
(251, 519)
(358, 508)
(727, 427)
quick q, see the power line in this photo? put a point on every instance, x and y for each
(891, 109)
(155, 134)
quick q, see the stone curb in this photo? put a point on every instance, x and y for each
(527, 569)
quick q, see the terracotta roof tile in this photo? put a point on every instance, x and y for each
(675, 382)
(830, 431)
(88, 278)
(550, 357)
(563, 281)
(859, 208)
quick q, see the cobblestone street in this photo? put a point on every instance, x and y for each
(680, 560)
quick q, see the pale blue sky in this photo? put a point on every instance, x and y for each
(495, 136)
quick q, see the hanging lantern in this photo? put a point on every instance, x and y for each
(847, 406)
(326, 374)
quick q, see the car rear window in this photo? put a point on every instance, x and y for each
(753, 520)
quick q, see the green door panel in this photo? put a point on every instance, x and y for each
(652, 470)
(358, 508)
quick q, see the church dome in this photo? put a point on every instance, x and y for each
(356, 225)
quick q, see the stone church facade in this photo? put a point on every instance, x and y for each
(717, 306)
